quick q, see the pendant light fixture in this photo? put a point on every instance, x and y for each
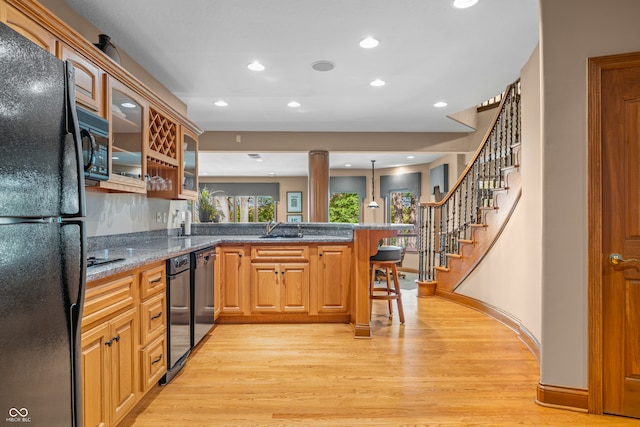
(373, 204)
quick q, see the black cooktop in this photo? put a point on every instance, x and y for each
(94, 262)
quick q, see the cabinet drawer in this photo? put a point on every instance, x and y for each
(153, 281)
(279, 253)
(154, 363)
(104, 299)
(153, 318)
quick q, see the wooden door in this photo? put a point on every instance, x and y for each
(265, 288)
(294, 287)
(233, 280)
(28, 28)
(88, 79)
(123, 366)
(96, 371)
(620, 121)
(334, 271)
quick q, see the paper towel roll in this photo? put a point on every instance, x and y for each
(187, 226)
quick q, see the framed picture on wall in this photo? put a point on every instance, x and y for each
(294, 201)
(294, 218)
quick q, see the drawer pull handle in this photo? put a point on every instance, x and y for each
(156, 360)
(158, 280)
(156, 316)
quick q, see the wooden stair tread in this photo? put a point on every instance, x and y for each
(478, 225)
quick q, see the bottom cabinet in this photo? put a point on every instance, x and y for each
(334, 275)
(108, 369)
(280, 288)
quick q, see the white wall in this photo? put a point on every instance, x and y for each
(119, 213)
(509, 277)
(571, 32)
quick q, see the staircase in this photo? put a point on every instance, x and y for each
(458, 231)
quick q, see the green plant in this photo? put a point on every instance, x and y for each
(208, 211)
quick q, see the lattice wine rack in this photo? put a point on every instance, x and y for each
(163, 135)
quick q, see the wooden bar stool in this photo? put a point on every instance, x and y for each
(386, 259)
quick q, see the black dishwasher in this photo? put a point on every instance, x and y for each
(178, 314)
(202, 263)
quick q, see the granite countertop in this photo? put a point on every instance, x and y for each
(139, 249)
(146, 251)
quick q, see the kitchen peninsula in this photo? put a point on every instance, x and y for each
(313, 244)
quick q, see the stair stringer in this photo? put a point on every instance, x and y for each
(484, 237)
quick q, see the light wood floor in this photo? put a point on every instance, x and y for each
(448, 366)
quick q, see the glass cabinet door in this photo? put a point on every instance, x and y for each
(189, 163)
(127, 124)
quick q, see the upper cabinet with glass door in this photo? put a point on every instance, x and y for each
(128, 119)
(189, 165)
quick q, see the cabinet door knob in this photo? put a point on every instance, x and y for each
(108, 343)
(116, 338)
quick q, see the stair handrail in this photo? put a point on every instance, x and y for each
(440, 231)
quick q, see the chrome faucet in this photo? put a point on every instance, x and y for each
(271, 225)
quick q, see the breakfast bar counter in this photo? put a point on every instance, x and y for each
(128, 252)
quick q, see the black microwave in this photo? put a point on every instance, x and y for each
(94, 131)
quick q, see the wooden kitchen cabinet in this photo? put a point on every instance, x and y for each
(89, 80)
(109, 370)
(334, 278)
(233, 267)
(123, 343)
(24, 25)
(279, 279)
(279, 288)
(188, 165)
(153, 325)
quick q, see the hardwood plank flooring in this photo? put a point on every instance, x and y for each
(447, 366)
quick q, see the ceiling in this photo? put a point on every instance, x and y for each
(295, 164)
(429, 51)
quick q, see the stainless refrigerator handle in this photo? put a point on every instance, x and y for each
(74, 129)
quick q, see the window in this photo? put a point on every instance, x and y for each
(238, 202)
(344, 207)
(403, 209)
(244, 208)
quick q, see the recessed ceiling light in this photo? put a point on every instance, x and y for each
(323, 65)
(293, 104)
(463, 4)
(255, 66)
(411, 157)
(204, 173)
(369, 43)
(377, 83)
(440, 104)
(348, 165)
(115, 158)
(271, 173)
(128, 105)
(220, 103)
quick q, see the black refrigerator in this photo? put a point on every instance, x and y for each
(42, 238)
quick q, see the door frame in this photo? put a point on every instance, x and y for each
(596, 259)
